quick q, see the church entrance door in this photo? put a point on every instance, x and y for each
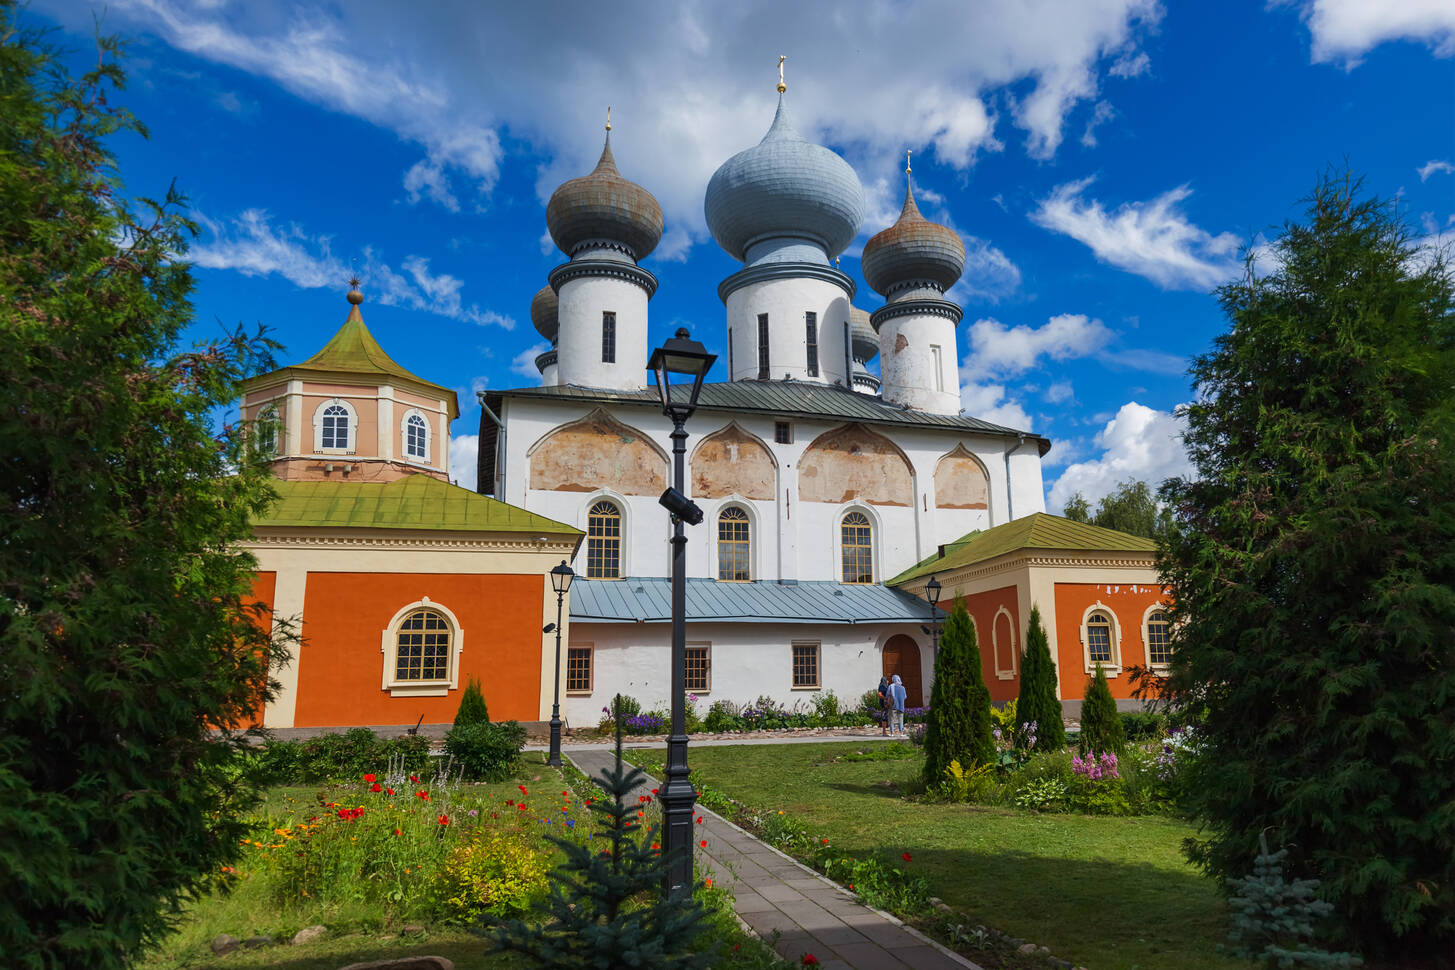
(901, 656)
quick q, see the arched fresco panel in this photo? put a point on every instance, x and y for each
(961, 482)
(595, 452)
(732, 462)
(853, 463)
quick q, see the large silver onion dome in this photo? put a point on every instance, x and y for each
(604, 207)
(911, 250)
(545, 313)
(863, 341)
(784, 187)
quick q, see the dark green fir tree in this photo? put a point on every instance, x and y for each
(959, 722)
(472, 709)
(1101, 724)
(607, 907)
(1038, 703)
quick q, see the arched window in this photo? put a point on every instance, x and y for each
(267, 432)
(1098, 639)
(422, 648)
(856, 548)
(603, 541)
(733, 545)
(1159, 651)
(416, 438)
(335, 429)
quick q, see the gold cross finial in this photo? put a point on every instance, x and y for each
(608, 117)
(781, 86)
(907, 152)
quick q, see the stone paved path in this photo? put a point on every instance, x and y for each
(813, 914)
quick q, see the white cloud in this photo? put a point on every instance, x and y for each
(1060, 392)
(253, 246)
(1153, 239)
(1104, 112)
(464, 453)
(524, 363)
(694, 86)
(1345, 30)
(995, 349)
(1434, 167)
(1131, 65)
(987, 402)
(1139, 443)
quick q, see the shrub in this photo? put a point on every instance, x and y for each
(1274, 918)
(871, 705)
(1041, 794)
(826, 707)
(1143, 725)
(332, 757)
(472, 708)
(974, 785)
(1101, 726)
(486, 752)
(958, 728)
(1002, 718)
(627, 705)
(498, 871)
(723, 715)
(1038, 702)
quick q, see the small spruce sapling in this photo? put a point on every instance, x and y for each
(472, 709)
(1273, 918)
(1101, 724)
(607, 906)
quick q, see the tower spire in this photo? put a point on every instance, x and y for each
(781, 86)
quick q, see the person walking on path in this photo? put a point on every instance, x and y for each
(883, 705)
(896, 698)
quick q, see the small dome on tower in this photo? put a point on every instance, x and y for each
(603, 206)
(864, 342)
(545, 313)
(913, 249)
(785, 186)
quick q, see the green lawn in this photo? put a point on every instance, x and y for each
(1105, 893)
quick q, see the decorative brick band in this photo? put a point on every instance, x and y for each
(905, 308)
(784, 271)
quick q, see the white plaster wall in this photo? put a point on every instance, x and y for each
(786, 301)
(909, 376)
(582, 301)
(548, 376)
(791, 539)
(748, 660)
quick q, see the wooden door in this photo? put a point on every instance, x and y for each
(901, 656)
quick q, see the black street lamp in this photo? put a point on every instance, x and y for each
(932, 593)
(681, 357)
(561, 577)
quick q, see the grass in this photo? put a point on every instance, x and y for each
(1107, 893)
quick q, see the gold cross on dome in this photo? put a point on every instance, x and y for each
(608, 117)
(781, 86)
(907, 152)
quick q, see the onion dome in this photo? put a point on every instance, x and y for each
(604, 208)
(864, 342)
(784, 187)
(545, 313)
(913, 250)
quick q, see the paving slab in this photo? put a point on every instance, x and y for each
(772, 892)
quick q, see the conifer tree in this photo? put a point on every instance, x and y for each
(1038, 702)
(607, 906)
(1101, 724)
(472, 709)
(1312, 578)
(959, 720)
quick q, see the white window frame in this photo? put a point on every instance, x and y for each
(1147, 639)
(266, 414)
(389, 646)
(746, 509)
(1115, 666)
(1002, 672)
(590, 649)
(583, 556)
(937, 358)
(875, 527)
(318, 448)
(817, 646)
(404, 437)
(705, 645)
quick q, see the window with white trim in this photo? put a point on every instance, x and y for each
(267, 428)
(805, 664)
(336, 425)
(734, 545)
(938, 365)
(856, 548)
(603, 541)
(416, 437)
(421, 648)
(1156, 635)
(1101, 639)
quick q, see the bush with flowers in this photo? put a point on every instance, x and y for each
(495, 870)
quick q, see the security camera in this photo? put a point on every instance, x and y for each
(681, 506)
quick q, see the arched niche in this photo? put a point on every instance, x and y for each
(853, 463)
(732, 462)
(961, 481)
(598, 452)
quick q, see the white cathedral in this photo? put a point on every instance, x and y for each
(819, 480)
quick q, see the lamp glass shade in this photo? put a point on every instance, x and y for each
(561, 577)
(681, 357)
(932, 591)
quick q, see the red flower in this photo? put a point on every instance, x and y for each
(809, 960)
(522, 790)
(851, 887)
(905, 856)
(564, 795)
(654, 791)
(707, 883)
(370, 778)
(376, 787)
(343, 813)
(510, 802)
(444, 820)
(699, 820)
(397, 832)
(655, 845)
(422, 794)
(389, 790)
(521, 806)
(824, 841)
(414, 778)
(703, 843)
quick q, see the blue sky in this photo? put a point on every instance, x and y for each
(1104, 161)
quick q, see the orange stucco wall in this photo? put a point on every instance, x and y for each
(265, 586)
(983, 607)
(340, 667)
(1127, 603)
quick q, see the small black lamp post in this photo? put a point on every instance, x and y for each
(932, 593)
(561, 577)
(684, 358)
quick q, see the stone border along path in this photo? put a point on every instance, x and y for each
(774, 892)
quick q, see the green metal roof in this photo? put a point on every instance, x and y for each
(412, 502)
(353, 350)
(1036, 531)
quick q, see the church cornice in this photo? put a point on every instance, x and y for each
(612, 269)
(905, 308)
(321, 539)
(784, 271)
(1023, 559)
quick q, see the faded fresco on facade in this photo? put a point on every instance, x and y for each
(960, 482)
(732, 462)
(598, 452)
(853, 463)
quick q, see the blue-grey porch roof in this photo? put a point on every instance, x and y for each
(648, 599)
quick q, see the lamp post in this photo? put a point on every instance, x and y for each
(561, 577)
(684, 358)
(932, 593)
